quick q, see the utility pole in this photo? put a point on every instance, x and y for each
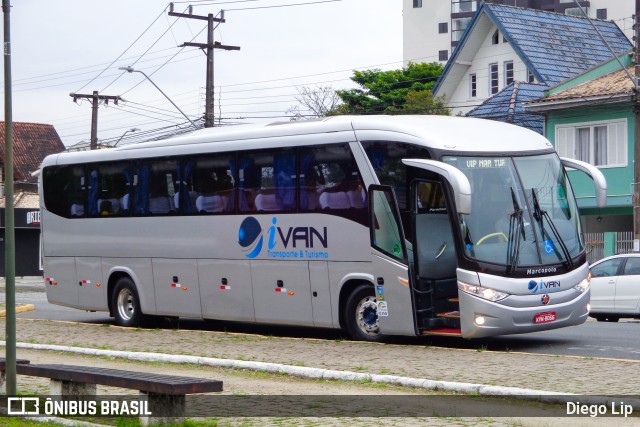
(636, 113)
(95, 102)
(209, 48)
(10, 241)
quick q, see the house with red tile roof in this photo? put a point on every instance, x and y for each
(32, 142)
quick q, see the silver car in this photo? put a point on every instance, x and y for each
(615, 287)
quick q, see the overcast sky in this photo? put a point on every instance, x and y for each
(62, 46)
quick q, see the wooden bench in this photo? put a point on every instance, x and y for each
(165, 394)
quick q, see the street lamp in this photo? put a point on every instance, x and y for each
(125, 132)
(131, 70)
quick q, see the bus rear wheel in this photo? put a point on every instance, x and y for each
(361, 315)
(126, 304)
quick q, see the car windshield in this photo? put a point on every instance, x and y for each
(523, 211)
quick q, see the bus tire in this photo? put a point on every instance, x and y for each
(126, 303)
(361, 317)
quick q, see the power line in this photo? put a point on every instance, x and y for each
(125, 51)
(105, 76)
(164, 64)
(146, 51)
(285, 5)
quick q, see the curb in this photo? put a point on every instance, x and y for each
(312, 373)
(19, 309)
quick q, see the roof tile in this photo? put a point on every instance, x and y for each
(507, 106)
(615, 83)
(561, 45)
(32, 142)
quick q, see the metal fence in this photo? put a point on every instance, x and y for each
(624, 242)
(595, 244)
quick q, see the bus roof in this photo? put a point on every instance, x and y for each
(439, 132)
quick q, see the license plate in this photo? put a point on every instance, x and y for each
(548, 316)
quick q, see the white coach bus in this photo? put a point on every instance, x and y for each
(403, 225)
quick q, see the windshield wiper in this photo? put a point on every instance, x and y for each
(540, 216)
(516, 226)
(468, 243)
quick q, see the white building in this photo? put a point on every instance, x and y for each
(432, 28)
(500, 49)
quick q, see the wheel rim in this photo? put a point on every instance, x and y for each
(126, 304)
(367, 316)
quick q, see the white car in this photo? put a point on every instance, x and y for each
(615, 287)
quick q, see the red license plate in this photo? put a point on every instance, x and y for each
(548, 316)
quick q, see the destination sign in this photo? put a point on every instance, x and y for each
(477, 162)
(485, 163)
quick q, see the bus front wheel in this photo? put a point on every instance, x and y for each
(361, 314)
(126, 304)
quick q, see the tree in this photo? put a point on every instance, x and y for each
(386, 91)
(423, 102)
(317, 101)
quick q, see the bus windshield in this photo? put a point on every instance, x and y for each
(523, 211)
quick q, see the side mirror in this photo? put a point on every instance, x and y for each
(598, 178)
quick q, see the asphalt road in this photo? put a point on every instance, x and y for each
(592, 339)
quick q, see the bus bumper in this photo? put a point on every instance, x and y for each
(484, 318)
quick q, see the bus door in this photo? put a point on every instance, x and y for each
(390, 263)
(435, 292)
(435, 260)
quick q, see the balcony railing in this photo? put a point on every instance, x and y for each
(463, 6)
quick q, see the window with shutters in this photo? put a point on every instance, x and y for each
(599, 143)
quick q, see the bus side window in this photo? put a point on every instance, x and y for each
(330, 182)
(386, 159)
(267, 181)
(108, 186)
(210, 184)
(311, 182)
(65, 191)
(155, 189)
(184, 199)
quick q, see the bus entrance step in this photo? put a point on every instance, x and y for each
(450, 315)
(448, 332)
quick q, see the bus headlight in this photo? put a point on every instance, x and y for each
(484, 293)
(583, 286)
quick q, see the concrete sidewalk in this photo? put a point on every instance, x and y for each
(563, 374)
(242, 383)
